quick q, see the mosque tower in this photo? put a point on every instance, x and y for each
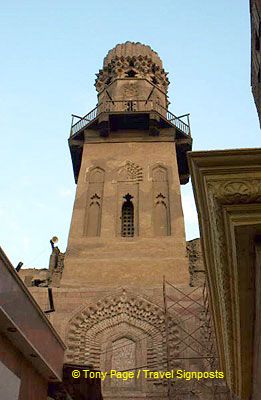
(127, 228)
(129, 159)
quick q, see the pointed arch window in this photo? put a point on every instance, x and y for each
(127, 217)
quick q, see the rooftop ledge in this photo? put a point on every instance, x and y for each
(26, 326)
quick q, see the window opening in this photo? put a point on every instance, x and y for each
(127, 217)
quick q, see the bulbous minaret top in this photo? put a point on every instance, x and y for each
(132, 49)
(132, 96)
(139, 67)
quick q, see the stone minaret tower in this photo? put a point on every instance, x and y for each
(129, 158)
(127, 229)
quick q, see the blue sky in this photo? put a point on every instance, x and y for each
(50, 52)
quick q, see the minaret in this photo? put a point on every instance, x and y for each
(127, 229)
(129, 159)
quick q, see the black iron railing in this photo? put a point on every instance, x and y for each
(132, 106)
(83, 121)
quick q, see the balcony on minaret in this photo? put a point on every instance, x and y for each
(132, 114)
(132, 96)
(132, 91)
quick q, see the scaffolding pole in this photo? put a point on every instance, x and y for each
(187, 310)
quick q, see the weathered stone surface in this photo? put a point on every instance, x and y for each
(35, 276)
(227, 186)
(52, 277)
(255, 12)
(45, 277)
(196, 264)
(127, 233)
(128, 60)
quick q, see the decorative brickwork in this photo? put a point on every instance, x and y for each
(85, 327)
(130, 172)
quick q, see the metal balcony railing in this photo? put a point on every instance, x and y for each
(131, 106)
(83, 121)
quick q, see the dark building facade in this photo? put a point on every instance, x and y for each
(255, 14)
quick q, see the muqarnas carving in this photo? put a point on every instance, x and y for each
(130, 172)
(132, 67)
(161, 212)
(122, 316)
(94, 202)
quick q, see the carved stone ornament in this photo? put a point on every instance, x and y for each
(92, 323)
(227, 189)
(223, 193)
(236, 191)
(130, 91)
(132, 60)
(130, 172)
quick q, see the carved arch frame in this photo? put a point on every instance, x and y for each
(107, 312)
(93, 328)
(227, 187)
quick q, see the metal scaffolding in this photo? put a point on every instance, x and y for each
(191, 344)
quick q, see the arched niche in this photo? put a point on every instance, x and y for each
(93, 213)
(160, 201)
